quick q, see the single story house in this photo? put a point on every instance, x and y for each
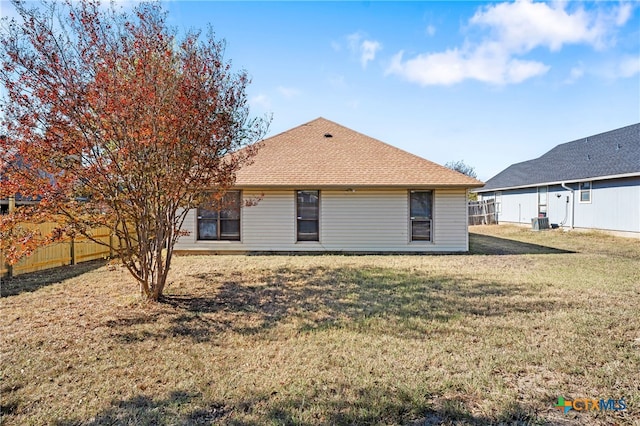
(591, 183)
(325, 188)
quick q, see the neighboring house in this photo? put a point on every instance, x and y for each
(324, 187)
(591, 183)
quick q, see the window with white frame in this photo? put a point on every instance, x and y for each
(585, 192)
(542, 201)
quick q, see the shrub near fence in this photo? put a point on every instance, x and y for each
(70, 252)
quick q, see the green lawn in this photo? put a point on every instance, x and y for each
(493, 336)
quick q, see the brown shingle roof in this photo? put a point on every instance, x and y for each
(306, 157)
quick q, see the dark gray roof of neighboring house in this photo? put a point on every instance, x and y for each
(616, 152)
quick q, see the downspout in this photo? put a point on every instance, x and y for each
(564, 185)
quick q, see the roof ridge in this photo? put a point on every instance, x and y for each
(619, 129)
(293, 128)
(611, 153)
(391, 146)
(303, 156)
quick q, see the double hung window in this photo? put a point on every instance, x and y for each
(221, 219)
(421, 215)
(542, 201)
(308, 215)
(585, 192)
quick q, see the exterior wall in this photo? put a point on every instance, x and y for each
(614, 206)
(516, 206)
(360, 221)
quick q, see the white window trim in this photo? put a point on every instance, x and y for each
(580, 192)
(546, 204)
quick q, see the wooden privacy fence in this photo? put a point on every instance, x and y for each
(482, 212)
(75, 250)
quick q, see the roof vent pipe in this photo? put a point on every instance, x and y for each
(328, 135)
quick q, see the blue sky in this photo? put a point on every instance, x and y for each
(489, 83)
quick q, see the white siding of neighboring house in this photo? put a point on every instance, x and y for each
(364, 220)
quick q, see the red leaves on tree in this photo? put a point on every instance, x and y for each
(112, 121)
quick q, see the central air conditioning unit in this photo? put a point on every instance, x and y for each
(539, 223)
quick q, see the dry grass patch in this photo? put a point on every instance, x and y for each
(493, 336)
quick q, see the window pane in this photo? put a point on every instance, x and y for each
(220, 219)
(421, 204)
(230, 213)
(230, 205)
(229, 229)
(207, 214)
(308, 202)
(308, 212)
(421, 230)
(585, 191)
(542, 195)
(307, 230)
(207, 229)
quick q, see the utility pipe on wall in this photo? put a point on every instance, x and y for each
(564, 185)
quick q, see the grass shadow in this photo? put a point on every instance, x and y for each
(143, 410)
(406, 303)
(33, 281)
(373, 406)
(489, 245)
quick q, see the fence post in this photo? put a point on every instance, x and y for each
(72, 249)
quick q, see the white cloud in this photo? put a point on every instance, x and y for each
(430, 30)
(288, 92)
(365, 49)
(515, 29)
(523, 25)
(629, 66)
(454, 66)
(624, 13)
(368, 51)
(260, 101)
(575, 74)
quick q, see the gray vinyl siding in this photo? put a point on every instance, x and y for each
(364, 220)
(614, 206)
(517, 206)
